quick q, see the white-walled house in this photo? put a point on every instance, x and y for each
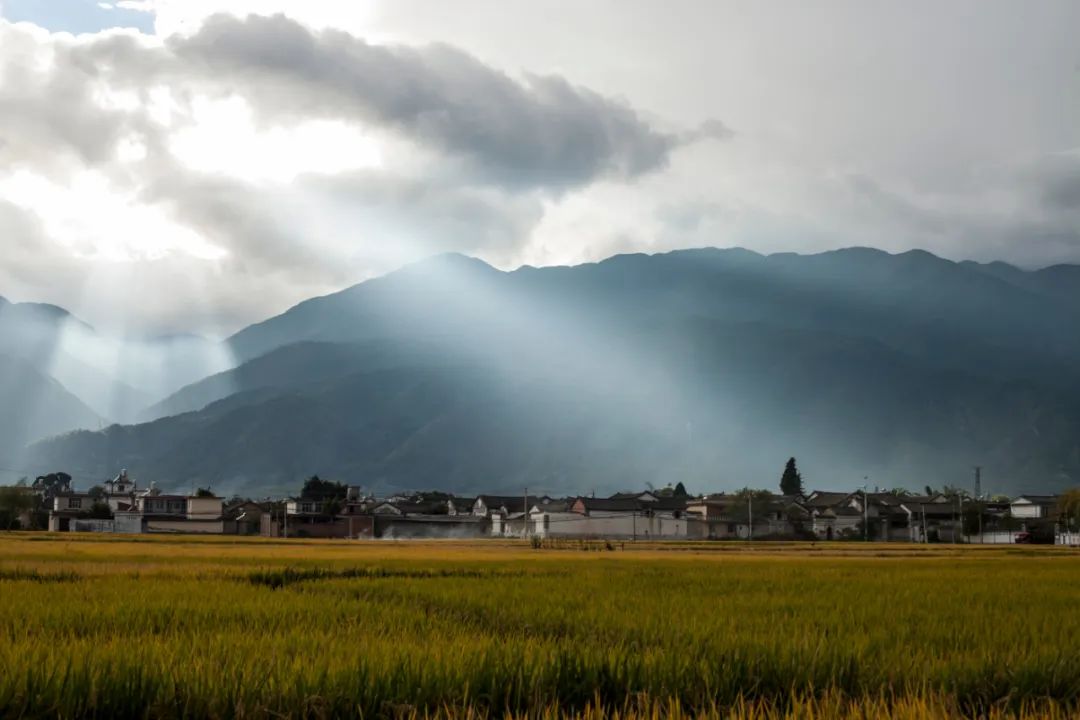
(160, 513)
(1033, 507)
(305, 506)
(120, 491)
(625, 518)
(554, 519)
(71, 512)
(149, 511)
(505, 513)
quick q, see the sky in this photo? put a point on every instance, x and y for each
(174, 166)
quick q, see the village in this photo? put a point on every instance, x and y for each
(325, 509)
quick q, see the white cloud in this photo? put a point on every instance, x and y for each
(95, 220)
(224, 138)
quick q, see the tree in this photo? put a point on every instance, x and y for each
(96, 493)
(950, 491)
(750, 493)
(100, 510)
(332, 506)
(791, 481)
(1068, 509)
(319, 489)
(680, 490)
(51, 484)
(204, 492)
(14, 501)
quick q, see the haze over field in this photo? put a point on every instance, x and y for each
(419, 245)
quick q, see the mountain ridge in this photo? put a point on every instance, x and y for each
(451, 373)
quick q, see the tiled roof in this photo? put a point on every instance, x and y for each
(825, 498)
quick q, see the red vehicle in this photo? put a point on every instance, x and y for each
(1023, 538)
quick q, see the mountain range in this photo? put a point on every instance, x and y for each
(706, 366)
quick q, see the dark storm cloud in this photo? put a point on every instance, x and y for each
(541, 131)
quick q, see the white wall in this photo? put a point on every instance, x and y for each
(72, 502)
(1026, 510)
(1001, 537)
(204, 508)
(1071, 539)
(185, 526)
(609, 525)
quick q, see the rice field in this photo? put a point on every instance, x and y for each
(163, 627)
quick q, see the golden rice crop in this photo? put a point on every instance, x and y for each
(94, 626)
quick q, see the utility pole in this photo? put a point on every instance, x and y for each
(960, 497)
(865, 513)
(750, 513)
(525, 515)
(285, 518)
(978, 498)
(959, 517)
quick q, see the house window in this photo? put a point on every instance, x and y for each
(75, 503)
(306, 507)
(176, 506)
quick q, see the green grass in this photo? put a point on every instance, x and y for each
(104, 627)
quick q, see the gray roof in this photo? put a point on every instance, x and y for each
(1038, 499)
(825, 498)
(512, 503)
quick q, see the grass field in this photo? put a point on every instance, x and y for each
(102, 626)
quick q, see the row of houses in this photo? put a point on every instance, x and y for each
(650, 515)
(123, 507)
(819, 515)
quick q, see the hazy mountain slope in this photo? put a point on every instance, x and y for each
(1060, 282)
(949, 314)
(706, 365)
(718, 406)
(117, 377)
(293, 366)
(33, 406)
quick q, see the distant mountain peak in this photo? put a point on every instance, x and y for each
(47, 311)
(448, 261)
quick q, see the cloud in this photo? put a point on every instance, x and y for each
(463, 157)
(297, 157)
(49, 115)
(1058, 180)
(335, 229)
(711, 129)
(540, 131)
